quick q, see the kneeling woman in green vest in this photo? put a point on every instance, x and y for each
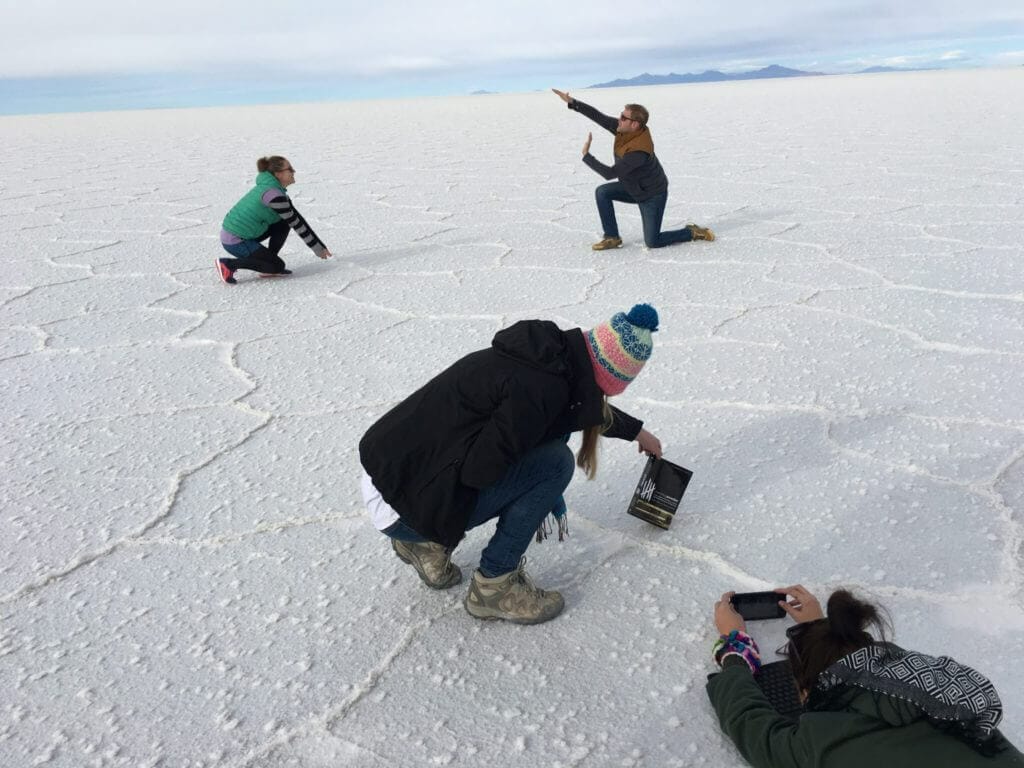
(264, 213)
(866, 702)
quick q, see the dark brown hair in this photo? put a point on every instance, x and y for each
(274, 163)
(639, 114)
(816, 645)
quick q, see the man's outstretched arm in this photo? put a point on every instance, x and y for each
(606, 122)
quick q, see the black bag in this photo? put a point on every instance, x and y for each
(659, 492)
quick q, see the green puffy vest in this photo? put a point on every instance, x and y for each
(250, 218)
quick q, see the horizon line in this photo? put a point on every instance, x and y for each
(221, 97)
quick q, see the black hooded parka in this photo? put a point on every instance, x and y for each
(433, 453)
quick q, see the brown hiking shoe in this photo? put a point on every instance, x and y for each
(607, 244)
(701, 233)
(433, 562)
(512, 597)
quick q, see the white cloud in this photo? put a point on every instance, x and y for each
(933, 58)
(1010, 56)
(53, 37)
(741, 65)
(407, 64)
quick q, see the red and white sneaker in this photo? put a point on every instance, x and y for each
(226, 274)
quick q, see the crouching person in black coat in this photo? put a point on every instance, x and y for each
(486, 439)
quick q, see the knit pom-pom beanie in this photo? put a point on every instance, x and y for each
(620, 347)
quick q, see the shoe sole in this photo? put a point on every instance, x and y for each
(491, 615)
(271, 274)
(230, 279)
(439, 587)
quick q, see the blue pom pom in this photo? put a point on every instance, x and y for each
(644, 316)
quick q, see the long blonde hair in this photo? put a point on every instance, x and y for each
(586, 456)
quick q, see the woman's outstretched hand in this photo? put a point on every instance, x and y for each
(563, 96)
(586, 144)
(326, 254)
(649, 444)
(803, 607)
(726, 617)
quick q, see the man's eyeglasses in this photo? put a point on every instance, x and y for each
(628, 119)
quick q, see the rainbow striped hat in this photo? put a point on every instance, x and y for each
(619, 348)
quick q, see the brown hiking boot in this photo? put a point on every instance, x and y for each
(433, 562)
(607, 244)
(701, 233)
(512, 597)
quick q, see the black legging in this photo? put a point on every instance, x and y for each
(264, 259)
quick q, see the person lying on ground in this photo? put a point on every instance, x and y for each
(867, 702)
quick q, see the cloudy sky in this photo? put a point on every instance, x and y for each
(388, 48)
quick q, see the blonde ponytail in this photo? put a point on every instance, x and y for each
(586, 456)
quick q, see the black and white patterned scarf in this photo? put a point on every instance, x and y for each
(953, 696)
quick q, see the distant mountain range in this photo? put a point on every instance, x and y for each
(714, 76)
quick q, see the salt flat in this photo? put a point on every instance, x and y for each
(186, 574)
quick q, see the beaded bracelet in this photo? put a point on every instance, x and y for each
(740, 644)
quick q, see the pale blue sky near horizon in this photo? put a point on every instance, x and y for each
(113, 54)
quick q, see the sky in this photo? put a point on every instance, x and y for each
(188, 576)
(116, 52)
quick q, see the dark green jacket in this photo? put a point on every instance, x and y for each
(249, 219)
(865, 734)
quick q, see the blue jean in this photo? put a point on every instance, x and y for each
(252, 254)
(652, 211)
(521, 499)
(243, 249)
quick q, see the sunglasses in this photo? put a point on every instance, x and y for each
(629, 119)
(793, 637)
